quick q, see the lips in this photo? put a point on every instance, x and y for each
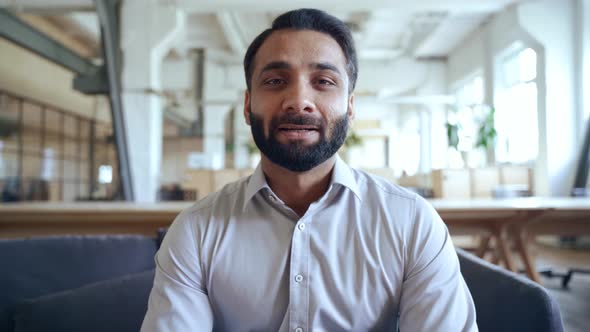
(297, 132)
(294, 127)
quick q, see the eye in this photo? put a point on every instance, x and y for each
(323, 81)
(274, 81)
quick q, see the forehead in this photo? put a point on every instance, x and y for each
(300, 48)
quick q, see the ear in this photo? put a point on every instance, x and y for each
(247, 109)
(350, 111)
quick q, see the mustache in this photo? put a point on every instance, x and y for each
(297, 119)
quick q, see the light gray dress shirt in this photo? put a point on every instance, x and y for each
(368, 255)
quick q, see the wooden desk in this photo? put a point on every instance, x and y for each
(35, 219)
(516, 220)
(491, 219)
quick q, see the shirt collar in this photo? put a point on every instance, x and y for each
(341, 174)
(256, 183)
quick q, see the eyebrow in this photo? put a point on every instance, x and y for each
(277, 65)
(274, 66)
(326, 66)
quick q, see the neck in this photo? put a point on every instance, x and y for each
(298, 189)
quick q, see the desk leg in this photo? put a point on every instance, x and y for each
(503, 249)
(521, 238)
(484, 244)
(495, 259)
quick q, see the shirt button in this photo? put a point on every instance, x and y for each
(299, 278)
(298, 329)
(301, 226)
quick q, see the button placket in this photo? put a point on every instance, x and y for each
(299, 288)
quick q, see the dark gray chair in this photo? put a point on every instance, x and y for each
(114, 305)
(37, 267)
(505, 301)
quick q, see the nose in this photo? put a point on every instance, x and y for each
(298, 98)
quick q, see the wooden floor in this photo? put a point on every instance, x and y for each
(574, 302)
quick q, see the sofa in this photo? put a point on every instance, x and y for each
(75, 283)
(102, 283)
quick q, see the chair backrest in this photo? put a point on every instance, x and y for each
(505, 301)
(38, 266)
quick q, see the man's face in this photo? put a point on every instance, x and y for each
(299, 107)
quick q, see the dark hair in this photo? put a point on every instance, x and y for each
(308, 19)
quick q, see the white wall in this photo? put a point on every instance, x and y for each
(395, 77)
(467, 58)
(552, 24)
(547, 27)
(223, 83)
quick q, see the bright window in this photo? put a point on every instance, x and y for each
(470, 92)
(105, 174)
(516, 108)
(409, 147)
(406, 146)
(467, 114)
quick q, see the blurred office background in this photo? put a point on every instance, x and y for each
(141, 101)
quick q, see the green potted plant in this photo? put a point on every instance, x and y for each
(453, 134)
(353, 140)
(480, 135)
(486, 134)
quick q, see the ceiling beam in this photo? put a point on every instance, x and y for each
(231, 30)
(207, 6)
(447, 35)
(48, 7)
(380, 54)
(24, 35)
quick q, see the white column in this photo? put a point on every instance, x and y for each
(242, 136)
(147, 30)
(584, 13)
(425, 142)
(390, 124)
(214, 134)
(436, 135)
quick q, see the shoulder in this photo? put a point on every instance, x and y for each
(219, 204)
(405, 207)
(370, 184)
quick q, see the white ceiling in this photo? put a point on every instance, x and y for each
(379, 35)
(383, 29)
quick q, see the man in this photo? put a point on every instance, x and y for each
(307, 243)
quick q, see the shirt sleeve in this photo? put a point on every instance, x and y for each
(434, 295)
(178, 300)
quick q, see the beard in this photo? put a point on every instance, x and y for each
(297, 156)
